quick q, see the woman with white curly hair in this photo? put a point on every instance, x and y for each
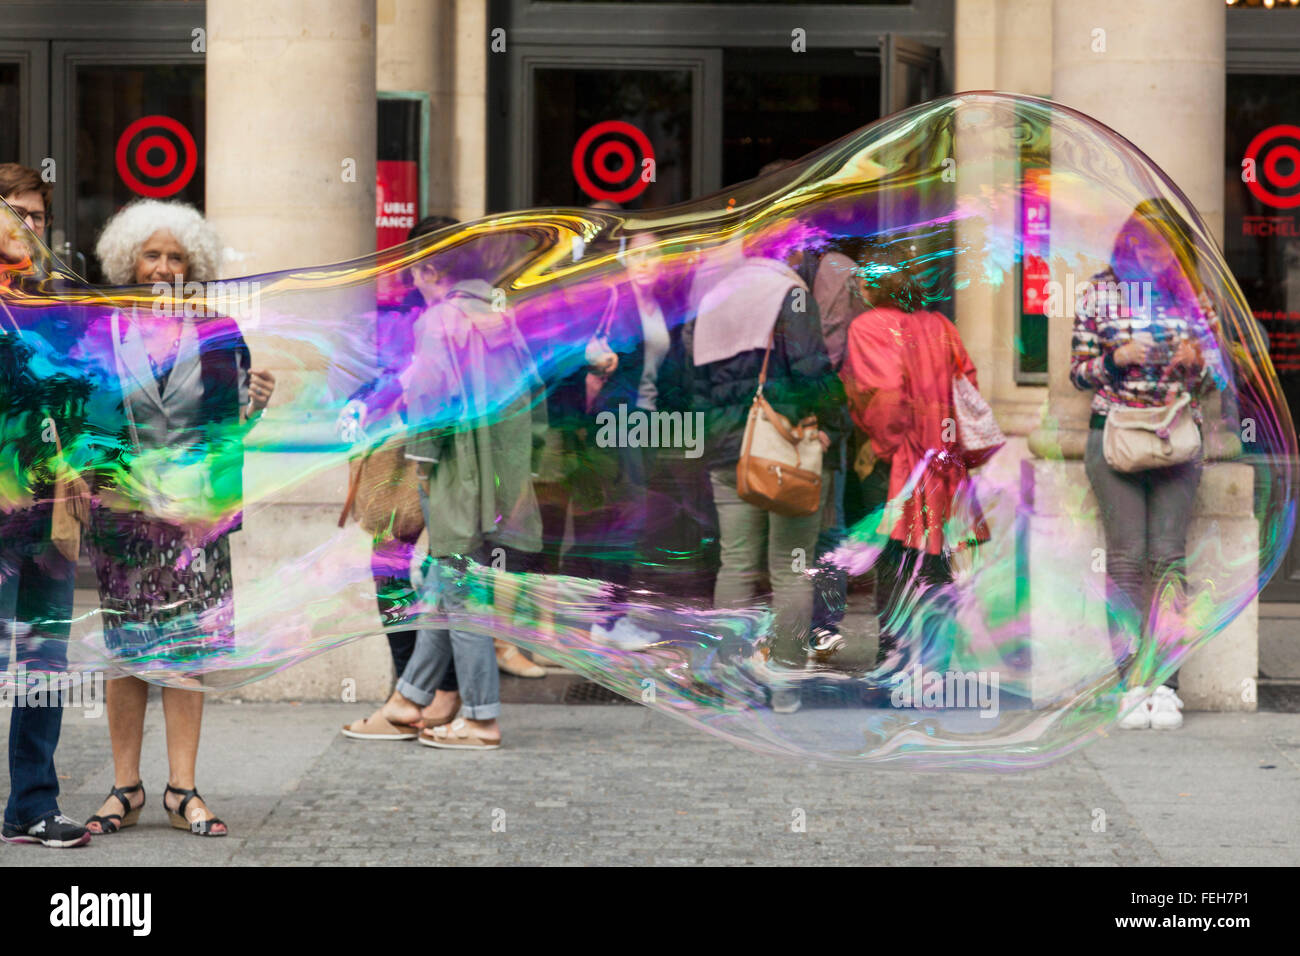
(168, 497)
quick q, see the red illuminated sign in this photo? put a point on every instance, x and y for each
(613, 161)
(1267, 152)
(156, 156)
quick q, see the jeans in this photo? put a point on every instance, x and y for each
(36, 591)
(390, 565)
(447, 584)
(753, 540)
(1145, 516)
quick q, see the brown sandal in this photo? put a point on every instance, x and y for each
(377, 727)
(511, 661)
(457, 735)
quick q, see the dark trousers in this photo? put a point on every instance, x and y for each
(36, 590)
(904, 576)
(1145, 516)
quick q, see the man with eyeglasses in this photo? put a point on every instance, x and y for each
(29, 195)
(36, 578)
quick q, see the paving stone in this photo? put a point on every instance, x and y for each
(625, 786)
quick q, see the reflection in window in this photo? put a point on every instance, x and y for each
(139, 132)
(595, 130)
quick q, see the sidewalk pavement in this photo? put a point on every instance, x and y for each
(620, 784)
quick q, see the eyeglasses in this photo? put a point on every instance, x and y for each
(39, 219)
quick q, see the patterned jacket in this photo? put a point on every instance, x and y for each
(1110, 315)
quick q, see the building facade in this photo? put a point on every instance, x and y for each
(466, 107)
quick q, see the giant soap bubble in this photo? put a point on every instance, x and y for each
(599, 500)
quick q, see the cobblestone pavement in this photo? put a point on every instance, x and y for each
(624, 785)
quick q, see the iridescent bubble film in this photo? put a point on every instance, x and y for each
(967, 238)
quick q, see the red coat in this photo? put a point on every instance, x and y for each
(898, 372)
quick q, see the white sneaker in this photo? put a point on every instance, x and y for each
(1166, 709)
(1136, 708)
(625, 634)
(786, 700)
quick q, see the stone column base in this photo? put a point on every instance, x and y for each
(281, 558)
(1061, 579)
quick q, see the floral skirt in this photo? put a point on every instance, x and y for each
(166, 595)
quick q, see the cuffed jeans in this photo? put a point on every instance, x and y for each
(390, 565)
(446, 588)
(1145, 516)
(36, 605)
(753, 539)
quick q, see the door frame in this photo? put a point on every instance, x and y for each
(1268, 43)
(898, 54)
(533, 26)
(65, 57)
(704, 65)
(33, 59)
(602, 25)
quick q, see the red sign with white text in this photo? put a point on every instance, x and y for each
(397, 201)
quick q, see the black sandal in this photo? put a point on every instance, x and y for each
(177, 816)
(112, 822)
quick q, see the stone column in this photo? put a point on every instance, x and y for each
(290, 167)
(417, 54)
(1156, 76)
(1002, 45)
(469, 170)
(290, 160)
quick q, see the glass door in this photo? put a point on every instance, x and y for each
(128, 118)
(908, 75)
(1262, 237)
(24, 95)
(784, 107)
(635, 130)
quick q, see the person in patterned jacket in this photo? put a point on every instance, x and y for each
(1144, 337)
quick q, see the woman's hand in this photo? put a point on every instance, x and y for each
(260, 387)
(811, 422)
(606, 364)
(1188, 356)
(1131, 353)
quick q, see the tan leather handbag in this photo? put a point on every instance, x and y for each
(71, 509)
(1140, 439)
(383, 493)
(780, 466)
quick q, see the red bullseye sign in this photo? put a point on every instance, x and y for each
(156, 156)
(613, 169)
(1278, 145)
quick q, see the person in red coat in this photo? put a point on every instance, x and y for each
(900, 362)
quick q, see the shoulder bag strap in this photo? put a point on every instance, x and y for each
(762, 373)
(1175, 408)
